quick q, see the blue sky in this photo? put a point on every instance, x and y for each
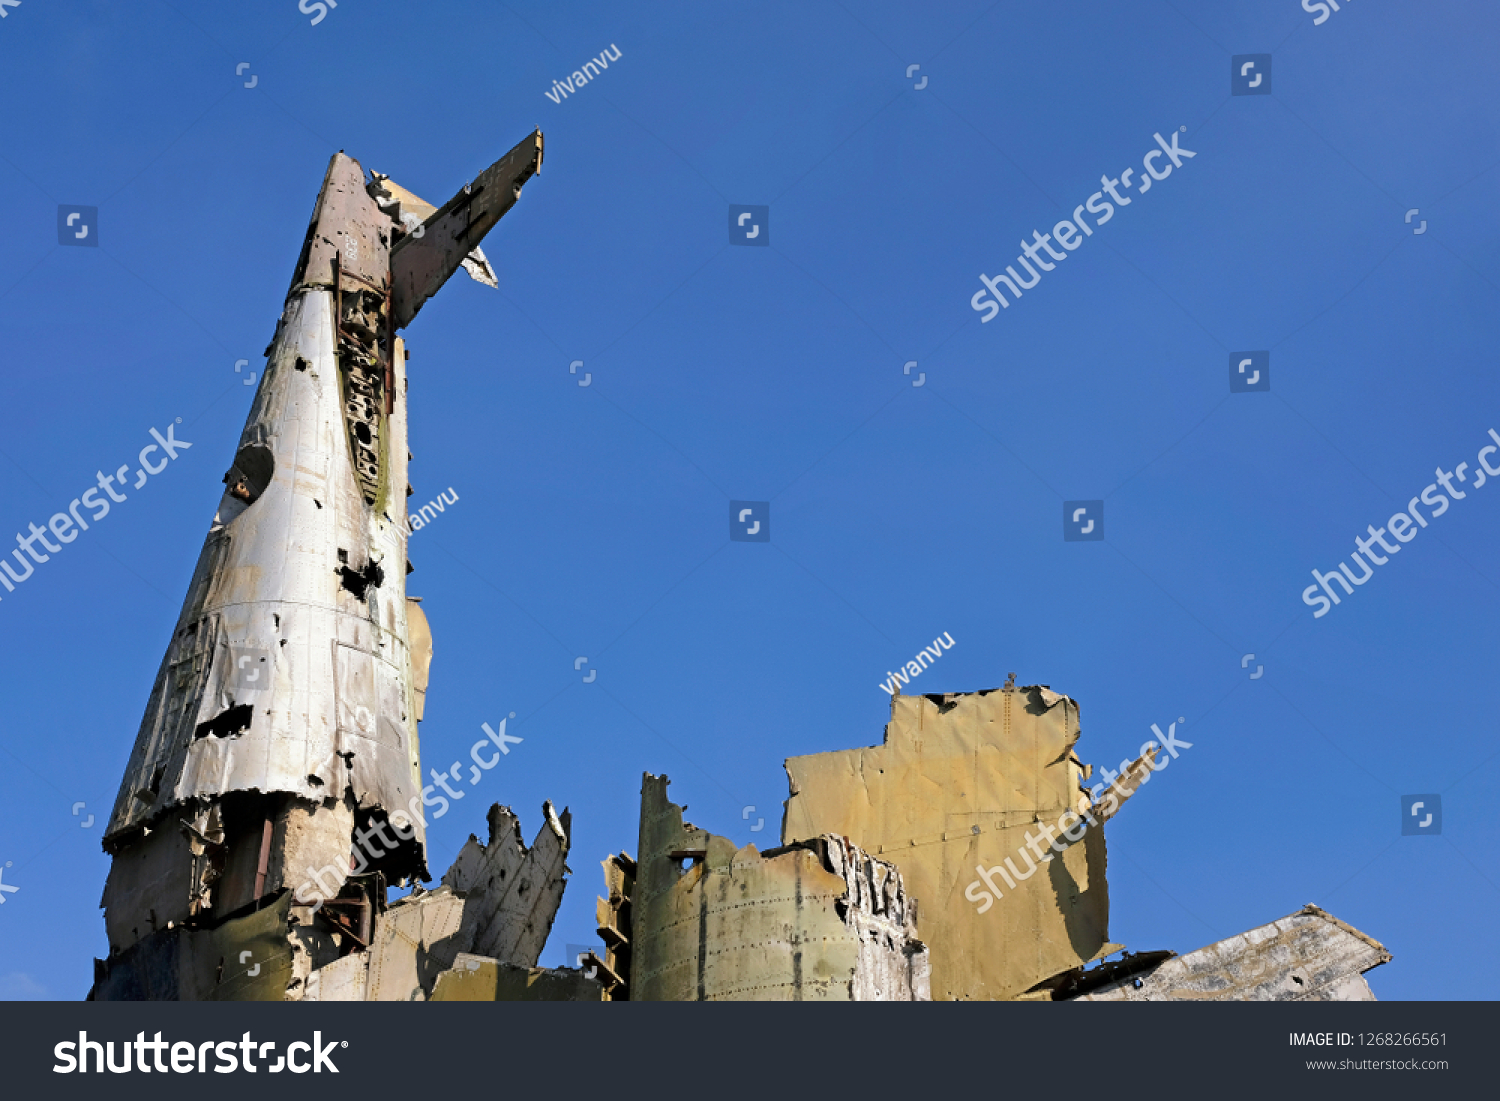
(594, 521)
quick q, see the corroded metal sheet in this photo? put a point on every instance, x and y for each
(497, 904)
(328, 707)
(348, 232)
(815, 921)
(512, 893)
(247, 958)
(958, 786)
(415, 940)
(1307, 956)
(344, 980)
(420, 264)
(614, 915)
(482, 979)
(280, 738)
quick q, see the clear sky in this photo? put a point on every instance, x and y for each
(594, 521)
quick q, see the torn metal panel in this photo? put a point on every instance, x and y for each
(481, 979)
(892, 965)
(1130, 780)
(154, 883)
(513, 892)
(1307, 956)
(497, 902)
(412, 943)
(343, 980)
(284, 713)
(209, 859)
(614, 915)
(245, 958)
(415, 940)
(348, 233)
(422, 264)
(1068, 985)
(329, 706)
(816, 921)
(959, 783)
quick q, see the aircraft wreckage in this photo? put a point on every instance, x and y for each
(280, 737)
(274, 795)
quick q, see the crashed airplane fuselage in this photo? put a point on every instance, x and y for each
(283, 721)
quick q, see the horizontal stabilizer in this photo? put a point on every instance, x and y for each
(411, 212)
(448, 238)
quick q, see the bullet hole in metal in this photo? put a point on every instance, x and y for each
(148, 795)
(359, 582)
(686, 861)
(226, 724)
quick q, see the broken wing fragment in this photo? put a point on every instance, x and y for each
(1308, 956)
(422, 262)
